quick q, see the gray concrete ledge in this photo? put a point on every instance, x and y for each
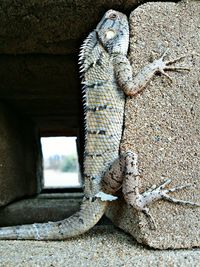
(102, 246)
(45, 207)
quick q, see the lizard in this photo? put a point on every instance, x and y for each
(106, 79)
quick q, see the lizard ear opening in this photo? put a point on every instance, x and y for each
(106, 38)
(109, 34)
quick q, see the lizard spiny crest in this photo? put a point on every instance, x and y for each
(103, 100)
(113, 34)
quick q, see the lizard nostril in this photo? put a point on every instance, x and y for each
(112, 16)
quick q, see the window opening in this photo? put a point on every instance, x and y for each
(60, 163)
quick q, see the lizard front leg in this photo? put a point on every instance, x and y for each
(134, 85)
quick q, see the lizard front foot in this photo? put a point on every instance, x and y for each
(162, 66)
(140, 201)
(132, 86)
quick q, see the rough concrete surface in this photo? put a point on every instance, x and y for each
(162, 124)
(101, 247)
(53, 27)
(19, 156)
(43, 208)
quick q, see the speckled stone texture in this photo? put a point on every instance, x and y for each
(162, 124)
(51, 27)
(101, 247)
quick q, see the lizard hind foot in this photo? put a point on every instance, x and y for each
(161, 192)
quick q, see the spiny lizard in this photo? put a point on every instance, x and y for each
(106, 78)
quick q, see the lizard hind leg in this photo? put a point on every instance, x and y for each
(112, 180)
(130, 188)
(140, 201)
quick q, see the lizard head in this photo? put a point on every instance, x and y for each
(113, 32)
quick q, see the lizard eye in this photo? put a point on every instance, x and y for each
(112, 16)
(110, 34)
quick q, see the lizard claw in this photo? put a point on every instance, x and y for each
(105, 197)
(166, 75)
(164, 54)
(169, 62)
(150, 218)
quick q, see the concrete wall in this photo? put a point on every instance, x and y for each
(20, 157)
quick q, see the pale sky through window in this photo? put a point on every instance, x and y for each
(58, 146)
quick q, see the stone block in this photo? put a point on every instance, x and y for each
(162, 124)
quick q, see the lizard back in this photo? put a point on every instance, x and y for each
(103, 102)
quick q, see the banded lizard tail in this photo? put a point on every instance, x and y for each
(106, 78)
